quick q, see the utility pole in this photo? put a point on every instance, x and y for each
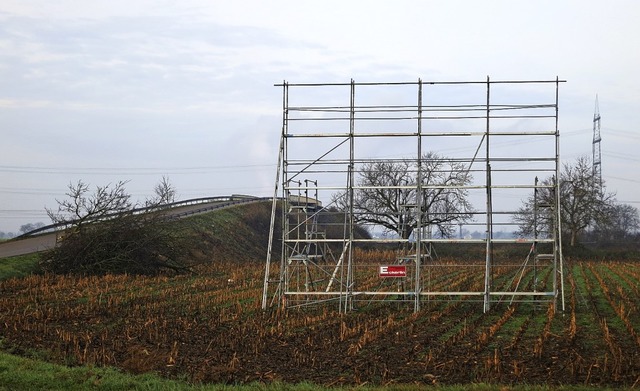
(597, 153)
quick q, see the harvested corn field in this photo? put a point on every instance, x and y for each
(210, 328)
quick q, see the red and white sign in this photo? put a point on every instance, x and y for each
(393, 271)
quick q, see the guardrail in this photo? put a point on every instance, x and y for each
(221, 201)
(220, 205)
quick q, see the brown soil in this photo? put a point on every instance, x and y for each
(210, 328)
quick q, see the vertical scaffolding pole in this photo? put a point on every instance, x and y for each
(535, 235)
(418, 238)
(281, 159)
(284, 224)
(350, 272)
(558, 257)
(489, 234)
(272, 229)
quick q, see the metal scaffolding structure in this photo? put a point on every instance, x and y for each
(496, 137)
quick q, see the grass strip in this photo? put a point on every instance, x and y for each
(17, 373)
(18, 266)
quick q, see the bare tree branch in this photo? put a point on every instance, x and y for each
(165, 192)
(582, 203)
(387, 195)
(105, 236)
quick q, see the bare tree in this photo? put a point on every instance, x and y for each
(82, 206)
(30, 227)
(387, 195)
(582, 203)
(165, 192)
(106, 234)
(622, 222)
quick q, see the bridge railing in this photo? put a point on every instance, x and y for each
(218, 202)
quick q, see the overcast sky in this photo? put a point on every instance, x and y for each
(133, 90)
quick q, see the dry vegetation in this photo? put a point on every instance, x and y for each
(209, 328)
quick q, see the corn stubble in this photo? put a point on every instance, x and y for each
(210, 328)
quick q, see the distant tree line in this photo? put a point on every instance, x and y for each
(23, 230)
(30, 227)
(588, 212)
(7, 235)
(386, 196)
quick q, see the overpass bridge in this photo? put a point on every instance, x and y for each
(44, 238)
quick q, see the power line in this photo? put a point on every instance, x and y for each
(623, 179)
(21, 211)
(4, 190)
(132, 170)
(622, 133)
(621, 156)
(577, 132)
